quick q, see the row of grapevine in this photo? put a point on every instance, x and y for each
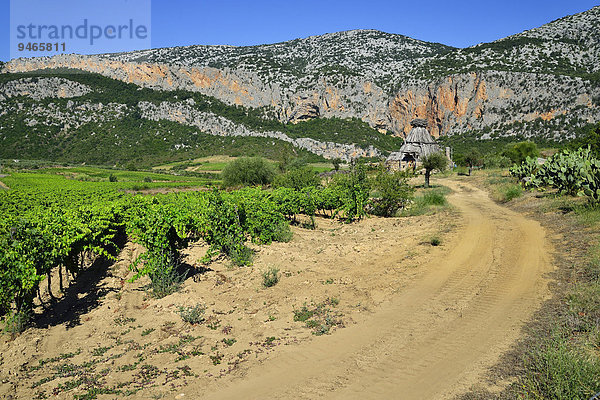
(41, 230)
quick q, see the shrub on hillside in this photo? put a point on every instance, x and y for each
(297, 178)
(496, 161)
(591, 139)
(248, 171)
(518, 152)
(392, 193)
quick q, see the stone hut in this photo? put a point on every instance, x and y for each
(418, 144)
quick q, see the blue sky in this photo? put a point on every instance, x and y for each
(460, 24)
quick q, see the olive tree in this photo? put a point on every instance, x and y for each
(432, 162)
(472, 158)
(248, 171)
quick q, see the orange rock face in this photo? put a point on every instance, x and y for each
(449, 101)
(549, 115)
(140, 73)
(332, 99)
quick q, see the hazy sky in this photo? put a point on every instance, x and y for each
(455, 23)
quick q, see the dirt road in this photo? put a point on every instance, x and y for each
(435, 338)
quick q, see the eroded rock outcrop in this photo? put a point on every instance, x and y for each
(476, 101)
(305, 110)
(185, 113)
(41, 88)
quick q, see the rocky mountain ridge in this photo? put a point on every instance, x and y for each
(542, 82)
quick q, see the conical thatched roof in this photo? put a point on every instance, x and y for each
(418, 143)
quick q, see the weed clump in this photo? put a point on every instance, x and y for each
(192, 315)
(16, 323)
(270, 277)
(148, 331)
(434, 198)
(165, 281)
(319, 318)
(282, 232)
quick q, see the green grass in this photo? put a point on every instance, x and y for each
(220, 165)
(461, 171)
(495, 178)
(211, 166)
(97, 178)
(122, 175)
(586, 215)
(324, 167)
(506, 192)
(559, 370)
(427, 202)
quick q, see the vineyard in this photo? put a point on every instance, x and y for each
(47, 225)
(187, 285)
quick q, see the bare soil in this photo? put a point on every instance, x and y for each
(437, 336)
(383, 314)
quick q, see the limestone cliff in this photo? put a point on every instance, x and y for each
(483, 101)
(542, 82)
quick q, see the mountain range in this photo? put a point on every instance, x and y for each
(338, 95)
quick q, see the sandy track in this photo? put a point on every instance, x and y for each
(438, 336)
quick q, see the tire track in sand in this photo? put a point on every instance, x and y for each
(435, 338)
